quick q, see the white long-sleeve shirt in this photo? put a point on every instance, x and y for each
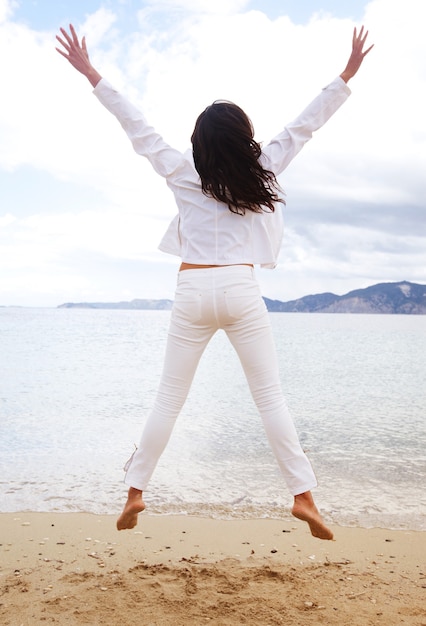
(205, 231)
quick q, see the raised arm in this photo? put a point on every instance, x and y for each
(145, 140)
(357, 55)
(77, 55)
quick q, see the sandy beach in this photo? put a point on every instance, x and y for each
(78, 569)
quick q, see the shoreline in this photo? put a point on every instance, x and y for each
(77, 568)
(276, 514)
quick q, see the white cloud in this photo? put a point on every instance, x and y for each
(98, 25)
(223, 7)
(6, 9)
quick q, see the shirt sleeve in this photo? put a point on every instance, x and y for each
(145, 140)
(277, 155)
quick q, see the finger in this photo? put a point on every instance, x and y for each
(61, 52)
(62, 42)
(368, 50)
(65, 34)
(74, 35)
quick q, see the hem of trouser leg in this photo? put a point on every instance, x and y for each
(134, 483)
(296, 491)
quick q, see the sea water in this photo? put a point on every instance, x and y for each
(76, 386)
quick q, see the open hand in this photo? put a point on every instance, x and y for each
(357, 55)
(77, 54)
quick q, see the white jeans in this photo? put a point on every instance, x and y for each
(206, 300)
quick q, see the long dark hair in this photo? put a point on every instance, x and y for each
(226, 156)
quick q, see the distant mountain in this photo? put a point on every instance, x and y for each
(403, 298)
(151, 305)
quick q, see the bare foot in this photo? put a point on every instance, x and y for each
(304, 509)
(134, 505)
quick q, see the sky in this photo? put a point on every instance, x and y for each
(81, 215)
